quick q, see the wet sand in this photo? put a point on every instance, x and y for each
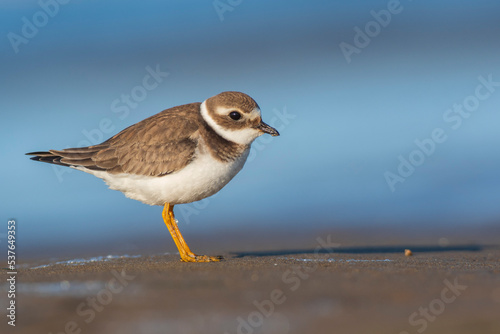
(320, 286)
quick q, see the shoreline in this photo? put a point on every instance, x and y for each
(281, 287)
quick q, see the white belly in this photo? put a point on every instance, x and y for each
(201, 178)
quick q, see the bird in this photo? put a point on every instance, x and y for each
(180, 155)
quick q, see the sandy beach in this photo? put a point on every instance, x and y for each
(322, 286)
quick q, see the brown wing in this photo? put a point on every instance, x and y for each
(159, 145)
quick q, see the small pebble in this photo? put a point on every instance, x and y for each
(408, 252)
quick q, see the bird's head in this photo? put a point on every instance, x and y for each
(236, 117)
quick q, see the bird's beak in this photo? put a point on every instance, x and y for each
(267, 129)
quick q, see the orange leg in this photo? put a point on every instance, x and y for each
(184, 251)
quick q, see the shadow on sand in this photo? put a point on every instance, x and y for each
(366, 250)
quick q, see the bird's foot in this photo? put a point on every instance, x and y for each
(200, 258)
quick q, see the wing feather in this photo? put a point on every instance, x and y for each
(161, 144)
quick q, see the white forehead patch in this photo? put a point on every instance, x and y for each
(243, 136)
(255, 111)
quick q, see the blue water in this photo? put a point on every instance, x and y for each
(343, 125)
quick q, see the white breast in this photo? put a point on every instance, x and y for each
(203, 177)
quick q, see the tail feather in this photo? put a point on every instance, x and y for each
(76, 156)
(86, 149)
(72, 157)
(40, 154)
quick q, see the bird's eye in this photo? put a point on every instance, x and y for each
(235, 115)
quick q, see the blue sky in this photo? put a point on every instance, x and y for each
(344, 124)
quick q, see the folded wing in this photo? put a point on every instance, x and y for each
(159, 145)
